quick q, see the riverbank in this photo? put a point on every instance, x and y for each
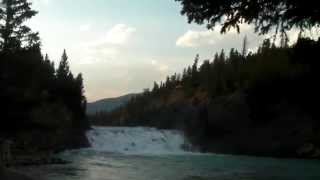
(10, 174)
(22, 161)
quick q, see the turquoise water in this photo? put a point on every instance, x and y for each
(92, 165)
(122, 153)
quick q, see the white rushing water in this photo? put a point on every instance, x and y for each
(138, 140)
(151, 154)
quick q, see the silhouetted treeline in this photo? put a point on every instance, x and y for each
(229, 72)
(34, 94)
(46, 104)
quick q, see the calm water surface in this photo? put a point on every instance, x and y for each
(92, 165)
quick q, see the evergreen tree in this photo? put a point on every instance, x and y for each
(80, 103)
(37, 97)
(194, 73)
(155, 87)
(184, 74)
(46, 58)
(49, 64)
(63, 71)
(244, 46)
(205, 74)
(195, 65)
(222, 57)
(13, 14)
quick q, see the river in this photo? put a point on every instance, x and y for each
(151, 154)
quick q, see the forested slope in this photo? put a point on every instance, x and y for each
(42, 107)
(262, 103)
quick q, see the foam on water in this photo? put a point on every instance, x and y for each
(138, 140)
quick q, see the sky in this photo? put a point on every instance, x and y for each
(123, 46)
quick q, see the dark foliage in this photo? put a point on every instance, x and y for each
(31, 89)
(35, 97)
(235, 94)
(282, 15)
(14, 34)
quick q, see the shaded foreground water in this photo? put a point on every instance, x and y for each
(97, 163)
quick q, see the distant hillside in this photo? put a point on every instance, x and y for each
(263, 104)
(108, 104)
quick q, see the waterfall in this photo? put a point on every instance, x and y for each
(137, 140)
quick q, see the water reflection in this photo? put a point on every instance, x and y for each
(91, 165)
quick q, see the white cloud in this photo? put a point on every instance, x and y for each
(163, 68)
(93, 55)
(110, 79)
(193, 38)
(197, 38)
(88, 60)
(119, 34)
(108, 47)
(85, 27)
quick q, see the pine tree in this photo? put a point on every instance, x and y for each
(194, 75)
(245, 46)
(14, 34)
(46, 58)
(184, 74)
(63, 71)
(195, 64)
(155, 87)
(168, 82)
(81, 99)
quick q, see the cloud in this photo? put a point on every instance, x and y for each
(108, 47)
(197, 38)
(96, 55)
(118, 35)
(111, 79)
(193, 38)
(85, 27)
(163, 68)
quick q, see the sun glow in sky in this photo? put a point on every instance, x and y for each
(123, 46)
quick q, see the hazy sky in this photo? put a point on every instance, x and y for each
(122, 46)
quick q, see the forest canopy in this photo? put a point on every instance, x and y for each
(13, 32)
(265, 15)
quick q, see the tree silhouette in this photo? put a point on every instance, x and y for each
(282, 15)
(13, 14)
(63, 71)
(245, 46)
(37, 97)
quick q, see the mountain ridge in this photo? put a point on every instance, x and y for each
(108, 104)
